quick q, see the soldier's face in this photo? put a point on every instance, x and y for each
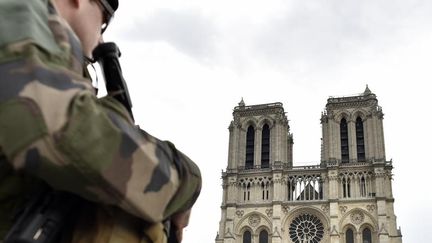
(88, 24)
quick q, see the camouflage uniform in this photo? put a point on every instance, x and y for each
(52, 127)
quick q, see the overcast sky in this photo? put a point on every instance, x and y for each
(188, 64)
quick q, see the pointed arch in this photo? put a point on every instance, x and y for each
(346, 187)
(247, 237)
(263, 236)
(360, 113)
(251, 121)
(369, 220)
(363, 187)
(248, 191)
(338, 116)
(349, 235)
(265, 120)
(367, 235)
(265, 190)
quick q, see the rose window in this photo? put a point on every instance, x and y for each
(306, 228)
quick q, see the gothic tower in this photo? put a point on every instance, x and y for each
(346, 198)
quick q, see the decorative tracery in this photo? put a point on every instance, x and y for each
(306, 228)
(356, 184)
(305, 187)
(255, 188)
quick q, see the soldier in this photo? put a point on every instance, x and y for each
(54, 130)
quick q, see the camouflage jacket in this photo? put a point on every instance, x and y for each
(52, 126)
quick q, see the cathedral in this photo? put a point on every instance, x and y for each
(345, 198)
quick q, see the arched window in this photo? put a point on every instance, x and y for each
(346, 184)
(247, 237)
(265, 147)
(248, 192)
(367, 235)
(363, 192)
(360, 140)
(290, 189)
(250, 143)
(265, 187)
(344, 141)
(349, 236)
(267, 190)
(263, 236)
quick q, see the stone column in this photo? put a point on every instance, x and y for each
(258, 145)
(232, 189)
(276, 234)
(352, 143)
(383, 233)
(358, 237)
(241, 147)
(325, 138)
(221, 232)
(230, 146)
(284, 143)
(380, 144)
(334, 222)
(369, 137)
(379, 182)
(229, 234)
(334, 205)
(335, 140)
(376, 140)
(235, 145)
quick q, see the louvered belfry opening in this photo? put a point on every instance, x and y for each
(265, 147)
(344, 141)
(250, 143)
(360, 140)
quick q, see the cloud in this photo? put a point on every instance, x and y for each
(332, 31)
(188, 31)
(296, 36)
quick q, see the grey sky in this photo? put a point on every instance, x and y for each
(188, 63)
(187, 30)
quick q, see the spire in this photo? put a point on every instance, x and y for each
(367, 90)
(241, 103)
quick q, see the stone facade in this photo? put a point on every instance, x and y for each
(347, 198)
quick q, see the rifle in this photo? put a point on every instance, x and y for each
(42, 218)
(107, 55)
